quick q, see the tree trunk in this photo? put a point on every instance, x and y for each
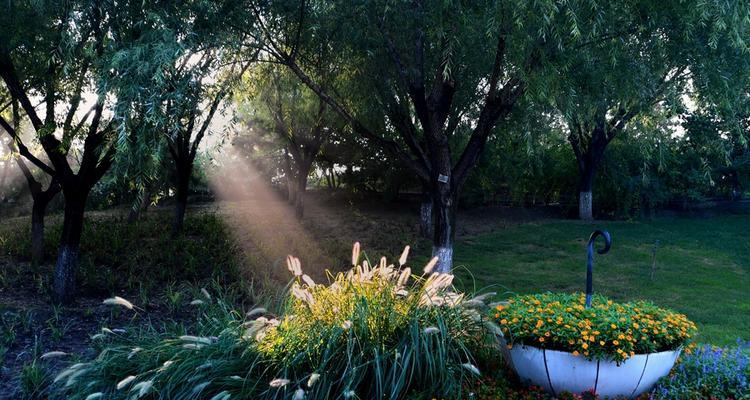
(299, 200)
(425, 214)
(64, 285)
(181, 196)
(289, 178)
(38, 212)
(585, 192)
(444, 212)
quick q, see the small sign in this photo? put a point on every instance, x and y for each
(442, 178)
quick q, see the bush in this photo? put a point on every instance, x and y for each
(607, 330)
(373, 332)
(116, 255)
(709, 373)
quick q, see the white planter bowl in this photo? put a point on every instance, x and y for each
(559, 371)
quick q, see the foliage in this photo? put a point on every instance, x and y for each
(117, 255)
(710, 372)
(607, 330)
(372, 332)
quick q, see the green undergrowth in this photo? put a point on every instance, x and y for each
(118, 256)
(374, 332)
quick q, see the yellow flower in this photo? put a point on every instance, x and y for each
(585, 346)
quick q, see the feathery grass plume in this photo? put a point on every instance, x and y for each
(278, 382)
(308, 281)
(431, 330)
(142, 388)
(206, 294)
(383, 263)
(430, 265)
(387, 330)
(471, 368)
(192, 346)
(118, 301)
(355, 254)
(94, 396)
(134, 352)
(299, 394)
(404, 256)
(195, 339)
(224, 395)
(53, 354)
(72, 378)
(349, 394)
(294, 265)
(125, 382)
(313, 378)
(196, 302)
(256, 311)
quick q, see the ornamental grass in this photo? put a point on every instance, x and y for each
(376, 331)
(606, 331)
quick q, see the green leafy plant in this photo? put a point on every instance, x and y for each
(376, 331)
(607, 330)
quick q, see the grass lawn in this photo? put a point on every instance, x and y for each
(702, 266)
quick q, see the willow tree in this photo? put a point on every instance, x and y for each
(300, 122)
(444, 74)
(41, 194)
(174, 76)
(52, 51)
(642, 72)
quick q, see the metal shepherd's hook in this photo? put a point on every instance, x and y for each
(590, 264)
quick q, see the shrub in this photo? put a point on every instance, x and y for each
(373, 332)
(116, 255)
(607, 330)
(709, 373)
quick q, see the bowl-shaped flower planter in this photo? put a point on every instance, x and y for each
(560, 371)
(614, 349)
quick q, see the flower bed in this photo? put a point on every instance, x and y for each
(554, 341)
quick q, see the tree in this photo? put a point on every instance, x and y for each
(646, 68)
(40, 196)
(431, 67)
(54, 53)
(188, 116)
(299, 120)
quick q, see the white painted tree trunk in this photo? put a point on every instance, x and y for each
(445, 258)
(585, 206)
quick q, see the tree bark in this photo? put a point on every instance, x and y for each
(299, 200)
(585, 192)
(289, 178)
(64, 285)
(425, 213)
(38, 212)
(184, 171)
(444, 211)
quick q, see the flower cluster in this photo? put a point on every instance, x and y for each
(709, 373)
(607, 330)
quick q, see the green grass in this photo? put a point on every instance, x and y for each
(702, 266)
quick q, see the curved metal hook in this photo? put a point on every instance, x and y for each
(590, 263)
(607, 240)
